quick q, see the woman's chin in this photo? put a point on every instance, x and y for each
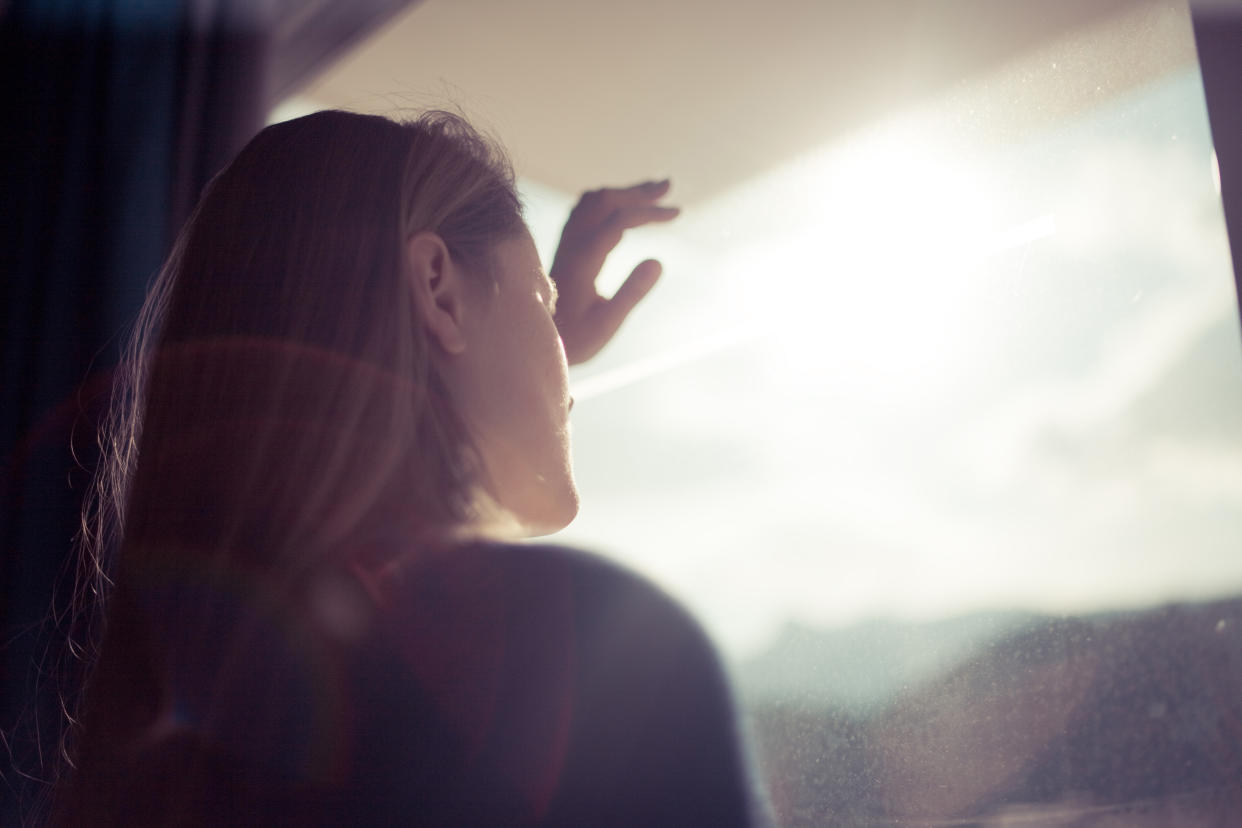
(552, 516)
(531, 511)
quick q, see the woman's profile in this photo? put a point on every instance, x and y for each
(346, 393)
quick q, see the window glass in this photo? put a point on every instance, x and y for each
(938, 429)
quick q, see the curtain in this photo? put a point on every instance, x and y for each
(116, 114)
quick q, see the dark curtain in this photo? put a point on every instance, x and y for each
(116, 114)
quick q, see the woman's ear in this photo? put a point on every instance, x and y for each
(439, 290)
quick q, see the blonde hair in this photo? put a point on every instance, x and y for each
(279, 403)
(279, 342)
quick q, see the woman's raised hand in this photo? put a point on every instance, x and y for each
(586, 320)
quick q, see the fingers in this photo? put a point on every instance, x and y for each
(586, 334)
(588, 242)
(638, 194)
(594, 229)
(628, 217)
(632, 291)
(644, 193)
(653, 189)
(598, 206)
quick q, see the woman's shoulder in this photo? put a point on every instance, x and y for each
(521, 570)
(582, 682)
(539, 559)
(482, 596)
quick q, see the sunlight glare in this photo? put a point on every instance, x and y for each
(880, 256)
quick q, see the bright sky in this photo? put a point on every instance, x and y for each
(916, 374)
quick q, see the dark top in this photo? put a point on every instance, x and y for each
(489, 684)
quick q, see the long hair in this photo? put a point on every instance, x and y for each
(279, 402)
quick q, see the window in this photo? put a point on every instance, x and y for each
(939, 431)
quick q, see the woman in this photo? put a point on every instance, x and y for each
(347, 386)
